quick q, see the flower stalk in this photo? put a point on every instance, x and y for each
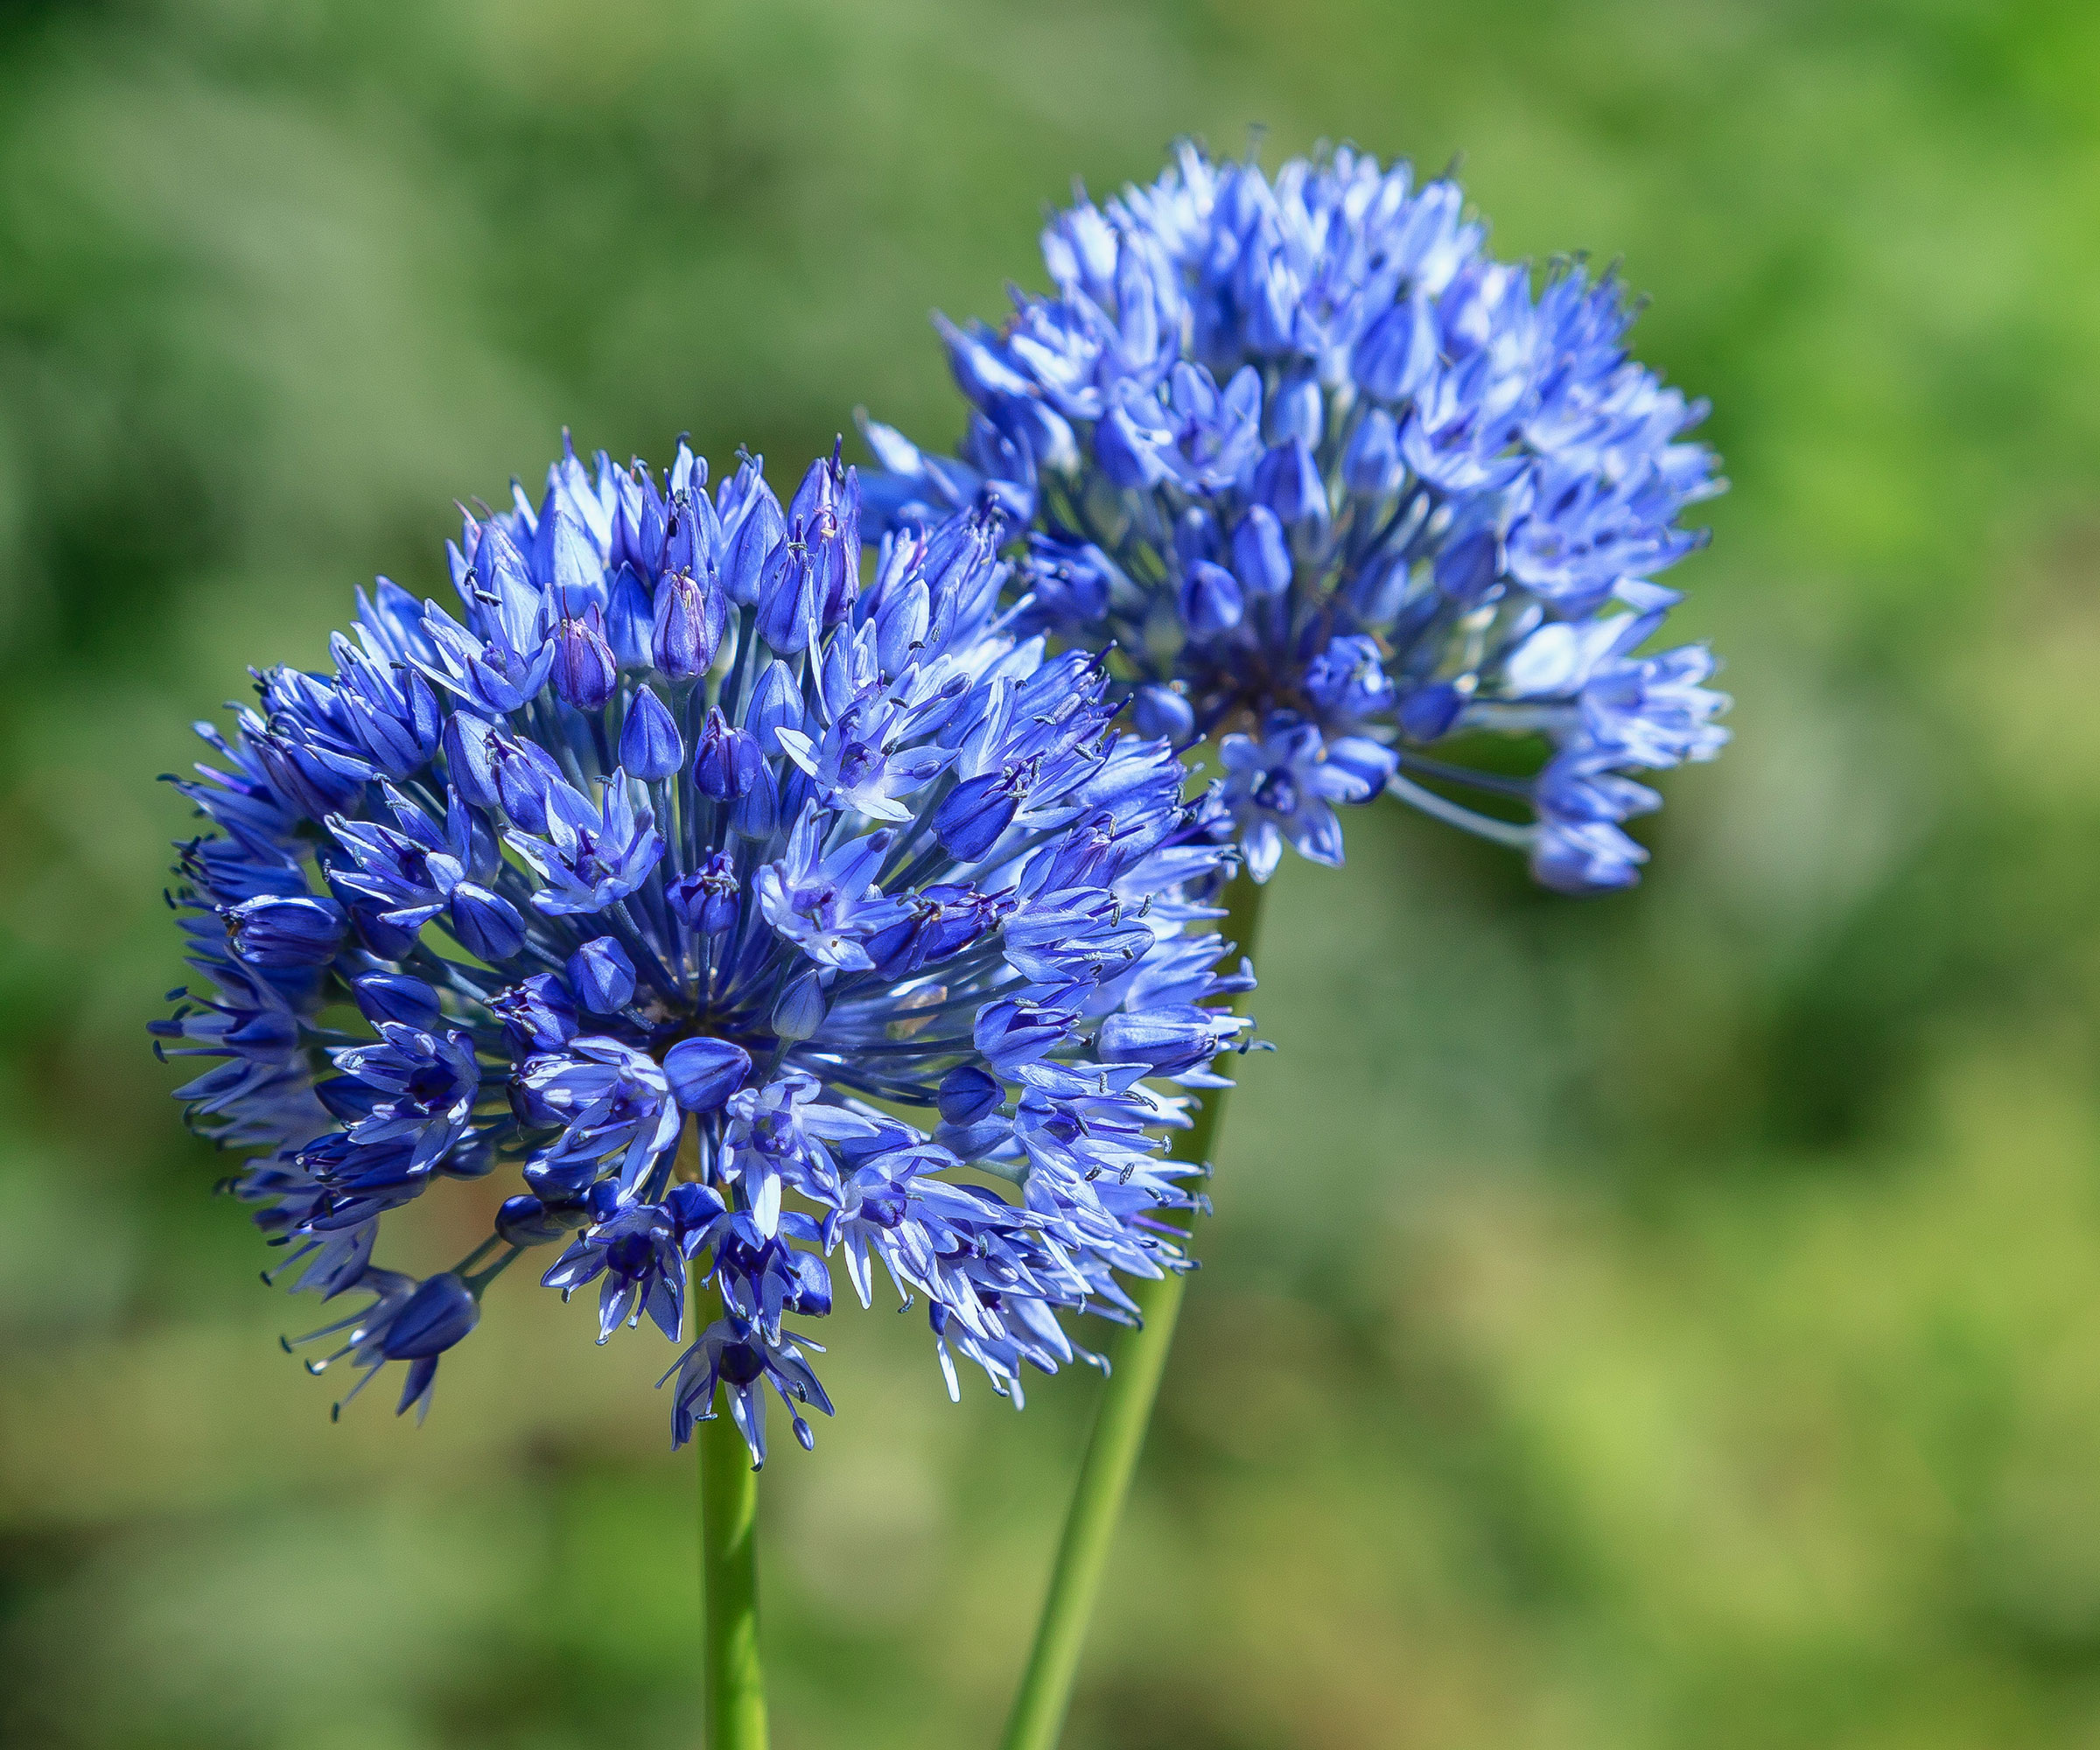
(735, 1695)
(1125, 1412)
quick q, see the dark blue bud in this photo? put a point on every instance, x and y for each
(487, 925)
(649, 745)
(703, 1072)
(603, 975)
(585, 674)
(437, 1314)
(269, 931)
(395, 996)
(474, 1158)
(1261, 557)
(690, 616)
(602, 1199)
(968, 1093)
(972, 1142)
(524, 1220)
(388, 940)
(1159, 711)
(1211, 602)
(1429, 712)
(1466, 569)
(693, 1209)
(973, 815)
(557, 1181)
(726, 765)
(346, 1097)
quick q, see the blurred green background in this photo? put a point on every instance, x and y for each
(1669, 1319)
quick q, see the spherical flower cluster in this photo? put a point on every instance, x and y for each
(750, 915)
(1341, 490)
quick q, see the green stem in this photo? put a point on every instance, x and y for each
(729, 1575)
(1118, 1436)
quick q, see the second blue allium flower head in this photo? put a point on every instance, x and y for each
(1341, 492)
(734, 908)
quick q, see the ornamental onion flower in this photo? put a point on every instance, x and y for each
(1339, 490)
(732, 906)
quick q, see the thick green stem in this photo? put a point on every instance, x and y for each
(729, 1578)
(1118, 1436)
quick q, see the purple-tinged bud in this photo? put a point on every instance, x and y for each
(269, 931)
(537, 1013)
(726, 765)
(790, 597)
(584, 673)
(649, 745)
(690, 616)
(703, 1072)
(706, 899)
(603, 975)
(1197, 536)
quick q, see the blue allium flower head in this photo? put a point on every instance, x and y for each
(732, 915)
(1339, 490)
